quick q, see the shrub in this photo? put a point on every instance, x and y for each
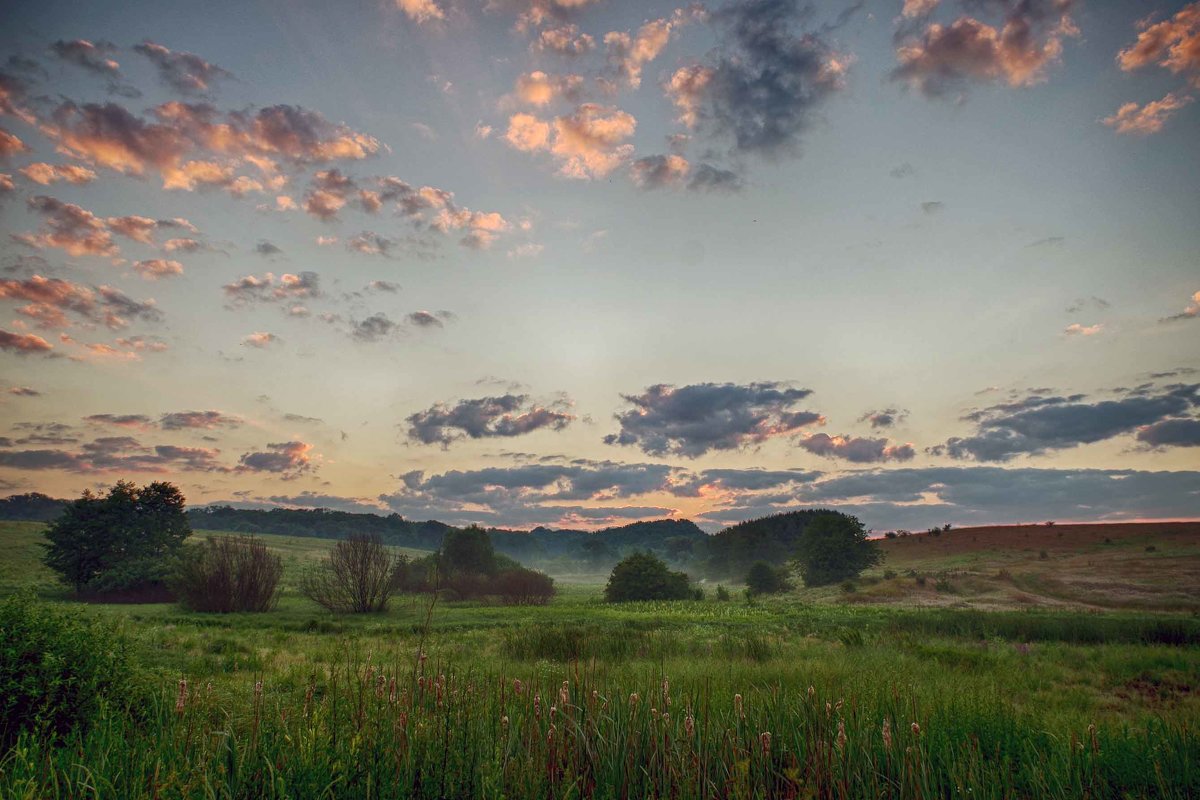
(889, 574)
(765, 579)
(643, 576)
(228, 573)
(722, 593)
(56, 670)
(525, 587)
(920, 580)
(358, 577)
(848, 587)
(890, 535)
(943, 585)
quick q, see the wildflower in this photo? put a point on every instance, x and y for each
(518, 687)
(504, 722)
(537, 706)
(887, 733)
(689, 724)
(633, 699)
(392, 691)
(380, 682)
(666, 692)
(764, 739)
(403, 719)
(666, 717)
(550, 735)
(553, 711)
(737, 706)
(564, 693)
(257, 690)
(916, 729)
(838, 706)
(595, 695)
(654, 713)
(811, 691)
(828, 708)
(181, 698)
(841, 737)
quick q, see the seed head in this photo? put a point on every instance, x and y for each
(887, 733)
(764, 739)
(737, 706)
(916, 729)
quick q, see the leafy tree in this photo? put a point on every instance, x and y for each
(835, 548)
(643, 576)
(119, 541)
(469, 550)
(765, 579)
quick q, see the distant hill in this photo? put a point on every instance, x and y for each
(322, 523)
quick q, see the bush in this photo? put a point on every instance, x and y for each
(722, 593)
(57, 671)
(765, 579)
(889, 574)
(228, 573)
(643, 576)
(920, 580)
(524, 587)
(848, 587)
(358, 577)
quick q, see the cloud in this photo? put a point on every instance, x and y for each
(692, 420)
(587, 143)
(23, 343)
(1076, 329)
(421, 11)
(70, 228)
(932, 206)
(565, 40)
(884, 418)
(859, 449)
(1039, 424)
(904, 170)
(269, 288)
(1191, 312)
(373, 328)
(371, 244)
(540, 89)
(628, 53)
(424, 319)
(918, 9)
(655, 172)
(944, 58)
(10, 145)
(707, 178)
(265, 248)
(46, 174)
(1172, 44)
(51, 298)
(24, 391)
(206, 420)
(259, 340)
(117, 454)
(155, 268)
(186, 73)
(288, 459)
(765, 82)
(1147, 119)
(486, 417)
(1171, 433)
(94, 57)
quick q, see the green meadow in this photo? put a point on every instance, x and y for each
(894, 689)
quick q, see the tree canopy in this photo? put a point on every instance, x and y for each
(834, 548)
(118, 541)
(766, 579)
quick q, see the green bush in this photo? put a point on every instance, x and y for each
(722, 593)
(643, 576)
(57, 671)
(766, 579)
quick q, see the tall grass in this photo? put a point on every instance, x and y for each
(406, 727)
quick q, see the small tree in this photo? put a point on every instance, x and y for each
(228, 573)
(520, 587)
(765, 579)
(119, 541)
(358, 577)
(643, 576)
(835, 548)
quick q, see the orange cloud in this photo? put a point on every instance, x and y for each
(46, 174)
(421, 11)
(629, 53)
(155, 268)
(23, 343)
(1147, 119)
(1173, 44)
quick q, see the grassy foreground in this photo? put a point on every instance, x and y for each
(584, 699)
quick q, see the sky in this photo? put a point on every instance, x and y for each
(578, 263)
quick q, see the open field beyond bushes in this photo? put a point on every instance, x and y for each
(993, 662)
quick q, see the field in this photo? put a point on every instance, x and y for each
(1032, 662)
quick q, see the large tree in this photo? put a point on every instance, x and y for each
(834, 547)
(122, 540)
(469, 550)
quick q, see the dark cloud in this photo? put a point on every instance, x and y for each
(1049, 241)
(932, 206)
(1171, 433)
(182, 420)
(739, 481)
(310, 499)
(187, 73)
(120, 420)
(265, 248)
(383, 286)
(1088, 303)
(424, 319)
(288, 459)
(486, 417)
(1037, 425)
(24, 391)
(858, 449)
(884, 418)
(117, 454)
(373, 328)
(768, 78)
(287, 287)
(95, 57)
(904, 170)
(692, 420)
(707, 178)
